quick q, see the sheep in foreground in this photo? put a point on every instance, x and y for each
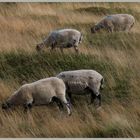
(82, 81)
(116, 22)
(64, 38)
(41, 92)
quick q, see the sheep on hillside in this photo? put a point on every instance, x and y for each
(41, 92)
(116, 22)
(82, 81)
(64, 38)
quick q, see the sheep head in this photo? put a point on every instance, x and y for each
(5, 105)
(39, 46)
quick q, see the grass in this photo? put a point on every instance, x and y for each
(115, 55)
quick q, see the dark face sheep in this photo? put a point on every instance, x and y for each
(95, 28)
(82, 82)
(41, 92)
(39, 47)
(6, 105)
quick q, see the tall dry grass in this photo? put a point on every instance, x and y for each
(116, 56)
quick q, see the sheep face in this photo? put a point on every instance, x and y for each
(39, 46)
(5, 105)
(94, 29)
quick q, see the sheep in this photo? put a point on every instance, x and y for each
(63, 38)
(83, 81)
(41, 92)
(116, 22)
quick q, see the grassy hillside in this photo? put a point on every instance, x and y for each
(115, 55)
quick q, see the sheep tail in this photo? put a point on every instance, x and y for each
(80, 39)
(102, 84)
(132, 25)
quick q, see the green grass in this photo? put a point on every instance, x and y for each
(35, 65)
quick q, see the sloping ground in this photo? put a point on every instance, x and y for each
(116, 56)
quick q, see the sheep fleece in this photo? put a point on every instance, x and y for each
(63, 37)
(40, 91)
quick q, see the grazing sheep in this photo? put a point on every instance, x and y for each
(80, 81)
(64, 38)
(116, 22)
(41, 92)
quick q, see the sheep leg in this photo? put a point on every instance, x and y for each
(68, 108)
(76, 49)
(110, 29)
(92, 95)
(69, 93)
(28, 106)
(131, 26)
(127, 28)
(70, 97)
(67, 104)
(61, 49)
(75, 44)
(99, 98)
(58, 102)
(53, 46)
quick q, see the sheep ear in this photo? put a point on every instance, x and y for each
(101, 26)
(24, 82)
(63, 75)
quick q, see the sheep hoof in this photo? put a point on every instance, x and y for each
(70, 114)
(99, 108)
